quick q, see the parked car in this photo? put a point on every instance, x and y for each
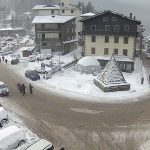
(32, 75)
(49, 56)
(14, 61)
(40, 57)
(4, 91)
(15, 56)
(11, 138)
(32, 58)
(3, 117)
(147, 55)
(41, 145)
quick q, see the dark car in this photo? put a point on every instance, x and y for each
(32, 75)
(14, 61)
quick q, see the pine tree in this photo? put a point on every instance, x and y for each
(89, 8)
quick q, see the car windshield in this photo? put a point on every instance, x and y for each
(2, 86)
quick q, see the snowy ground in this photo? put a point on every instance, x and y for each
(81, 85)
(15, 120)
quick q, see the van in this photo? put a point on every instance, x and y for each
(11, 138)
(3, 117)
(42, 144)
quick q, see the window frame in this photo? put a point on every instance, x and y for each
(116, 41)
(106, 40)
(126, 28)
(105, 19)
(93, 38)
(114, 19)
(106, 51)
(126, 39)
(92, 27)
(125, 50)
(93, 50)
(117, 51)
(106, 26)
(116, 28)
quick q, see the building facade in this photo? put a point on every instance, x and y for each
(51, 31)
(63, 8)
(110, 32)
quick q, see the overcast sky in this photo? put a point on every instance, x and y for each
(139, 8)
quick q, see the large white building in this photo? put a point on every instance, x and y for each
(63, 8)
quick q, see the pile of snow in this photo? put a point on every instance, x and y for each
(88, 65)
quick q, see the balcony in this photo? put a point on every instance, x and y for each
(54, 30)
(48, 40)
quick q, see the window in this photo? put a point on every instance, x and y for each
(106, 39)
(114, 19)
(93, 38)
(63, 11)
(59, 35)
(92, 50)
(105, 19)
(43, 36)
(126, 28)
(116, 39)
(62, 4)
(116, 28)
(107, 27)
(52, 11)
(116, 51)
(106, 51)
(72, 11)
(93, 27)
(125, 52)
(125, 40)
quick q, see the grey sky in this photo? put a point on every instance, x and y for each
(139, 8)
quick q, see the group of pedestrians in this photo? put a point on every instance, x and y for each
(3, 59)
(22, 88)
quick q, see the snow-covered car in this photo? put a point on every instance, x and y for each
(3, 117)
(4, 91)
(32, 58)
(40, 57)
(15, 56)
(147, 55)
(32, 75)
(48, 56)
(41, 145)
(14, 61)
(11, 138)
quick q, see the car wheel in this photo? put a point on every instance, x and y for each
(4, 122)
(21, 143)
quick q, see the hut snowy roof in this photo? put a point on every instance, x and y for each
(111, 74)
(88, 61)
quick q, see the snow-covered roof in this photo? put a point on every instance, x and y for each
(45, 7)
(8, 131)
(87, 14)
(27, 48)
(1, 83)
(71, 41)
(111, 74)
(10, 28)
(41, 144)
(88, 61)
(52, 19)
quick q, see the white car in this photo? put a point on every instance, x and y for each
(40, 57)
(32, 58)
(11, 138)
(3, 117)
(4, 91)
(41, 145)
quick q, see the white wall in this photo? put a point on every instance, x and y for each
(100, 44)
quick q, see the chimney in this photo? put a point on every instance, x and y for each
(134, 18)
(131, 15)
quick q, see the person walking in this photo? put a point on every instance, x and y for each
(0, 60)
(23, 89)
(6, 61)
(3, 58)
(31, 88)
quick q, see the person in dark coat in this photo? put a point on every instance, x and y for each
(31, 88)
(3, 58)
(6, 61)
(23, 89)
